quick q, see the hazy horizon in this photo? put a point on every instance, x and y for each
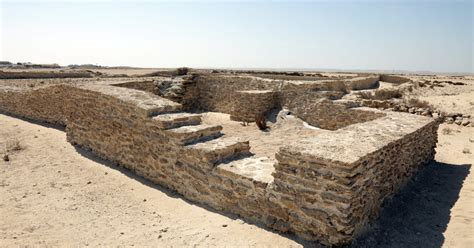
(416, 36)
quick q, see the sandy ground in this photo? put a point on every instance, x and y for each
(110, 71)
(283, 130)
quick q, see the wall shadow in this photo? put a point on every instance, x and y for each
(37, 122)
(419, 214)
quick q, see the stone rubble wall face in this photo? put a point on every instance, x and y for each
(326, 114)
(228, 94)
(216, 93)
(43, 104)
(383, 173)
(344, 197)
(363, 83)
(182, 90)
(393, 79)
(247, 105)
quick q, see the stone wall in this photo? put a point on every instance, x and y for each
(147, 86)
(221, 93)
(42, 104)
(180, 89)
(393, 79)
(363, 83)
(343, 178)
(325, 188)
(216, 92)
(251, 103)
(327, 114)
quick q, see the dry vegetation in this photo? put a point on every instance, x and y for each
(13, 145)
(447, 131)
(417, 103)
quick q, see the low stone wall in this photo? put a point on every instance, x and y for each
(216, 92)
(363, 83)
(327, 114)
(249, 104)
(344, 184)
(147, 86)
(220, 93)
(180, 89)
(42, 104)
(393, 79)
(45, 74)
(325, 189)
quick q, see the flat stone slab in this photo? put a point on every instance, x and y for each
(258, 170)
(220, 149)
(174, 120)
(256, 91)
(149, 102)
(190, 134)
(346, 145)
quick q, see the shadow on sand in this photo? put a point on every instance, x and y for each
(419, 214)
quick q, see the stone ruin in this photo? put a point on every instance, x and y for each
(326, 187)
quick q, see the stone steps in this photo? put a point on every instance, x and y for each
(220, 149)
(191, 134)
(175, 120)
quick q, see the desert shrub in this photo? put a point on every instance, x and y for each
(447, 131)
(181, 71)
(261, 122)
(13, 145)
(417, 103)
(340, 87)
(365, 95)
(385, 94)
(466, 151)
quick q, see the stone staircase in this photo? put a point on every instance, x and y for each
(175, 120)
(204, 142)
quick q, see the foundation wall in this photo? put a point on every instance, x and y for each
(323, 113)
(243, 97)
(393, 79)
(249, 104)
(147, 86)
(345, 190)
(316, 195)
(216, 92)
(43, 104)
(363, 83)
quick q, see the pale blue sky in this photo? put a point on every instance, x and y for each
(381, 35)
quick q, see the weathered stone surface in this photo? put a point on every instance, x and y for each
(252, 103)
(324, 188)
(175, 120)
